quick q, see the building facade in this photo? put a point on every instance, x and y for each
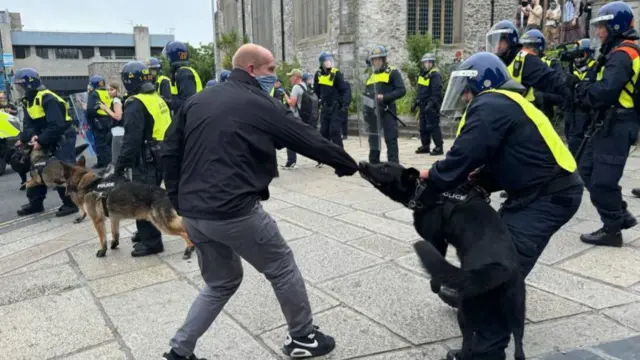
(65, 60)
(349, 28)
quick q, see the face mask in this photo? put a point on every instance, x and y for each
(327, 64)
(267, 82)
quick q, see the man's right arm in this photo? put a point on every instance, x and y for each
(92, 102)
(307, 141)
(165, 92)
(171, 155)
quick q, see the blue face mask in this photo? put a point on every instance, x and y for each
(267, 82)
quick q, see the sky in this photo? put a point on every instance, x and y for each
(192, 23)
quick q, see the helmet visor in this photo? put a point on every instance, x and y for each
(19, 90)
(498, 41)
(454, 101)
(601, 20)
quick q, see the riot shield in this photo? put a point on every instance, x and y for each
(370, 109)
(77, 100)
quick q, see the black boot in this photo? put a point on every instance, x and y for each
(23, 186)
(66, 209)
(636, 192)
(142, 249)
(449, 297)
(423, 150)
(437, 151)
(629, 221)
(603, 237)
(30, 209)
(171, 355)
(374, 156)
(136, 237)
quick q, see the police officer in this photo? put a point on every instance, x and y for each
(331, 89)
(184, 80)
(384, 86)
(163, 83)
(523, 64)
(98, 119)
(224, 75)
(147, 117)
(504, 142)
(533, 41)
(577, 119)
(612, 98)
(47, 126)
(428, 101)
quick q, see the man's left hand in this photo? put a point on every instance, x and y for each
(424, 174)
(380, 98)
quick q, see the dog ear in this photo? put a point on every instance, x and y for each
(410, 175)
(82, 162)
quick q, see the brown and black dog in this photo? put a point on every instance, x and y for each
(45, 169)
(123, 200)
(489, 284)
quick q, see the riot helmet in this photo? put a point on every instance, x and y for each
(137, 78)
(26, 80)
(503, 39)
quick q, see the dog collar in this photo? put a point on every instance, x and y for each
(414, 202)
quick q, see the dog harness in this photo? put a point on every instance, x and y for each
(449, 199)
(103, 187)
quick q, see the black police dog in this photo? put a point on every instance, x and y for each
(489, 283)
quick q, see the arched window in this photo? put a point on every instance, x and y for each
(440, 18)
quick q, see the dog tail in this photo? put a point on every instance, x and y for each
(468, 283)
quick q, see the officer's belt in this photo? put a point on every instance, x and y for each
(558, 183)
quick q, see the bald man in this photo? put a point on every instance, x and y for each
(218, 160)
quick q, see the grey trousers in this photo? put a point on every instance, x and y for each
(220, 245)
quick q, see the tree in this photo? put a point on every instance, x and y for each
(228, 44)
(416, 46)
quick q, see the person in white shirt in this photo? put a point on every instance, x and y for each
(295, 102)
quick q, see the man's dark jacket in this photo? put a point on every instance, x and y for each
(219, 154)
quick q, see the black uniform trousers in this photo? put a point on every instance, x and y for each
(103, 138)
(430, 128)
(388, 125)
(67, 153)
(147, 232)
(602, 166)
(331, 124)
(575, 126)
(531, 228)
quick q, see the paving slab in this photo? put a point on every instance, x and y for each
(428, 352)
(52, 325)
(34, 284)
(321, 258)
(33, 240)
(305, 218)
(181, 265)
(132, 280)
(381, 225)
(320, 188)
(274, 204)
(115, 262)
(49, 261)
(110, 351)
(320, 206)
(580, 354)
(403, 215)
(562, 245)
(147, 318)
(406, 312)
(628, 315)
(625, 349)
(597, 263)
(353, 196)
(256, 307)
(578, 289)
(543, 306)
(383, 246)
(291, 232)
(378, 206)
(32, 230)
(364, 336)
(34, 254)
(343, 232)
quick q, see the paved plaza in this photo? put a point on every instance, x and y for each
(354, 247)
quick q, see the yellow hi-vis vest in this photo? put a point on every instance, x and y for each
(159, 111)
(583, 74)
(516, 73)
(626, 95)
(159, 81)
(106, 99)
(560, 152)
(36, 111)
(273, 94)
(196, 77)
(7, 130)
(426, 79)
(382, 77)
(327, 80)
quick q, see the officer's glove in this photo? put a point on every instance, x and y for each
(571, 81)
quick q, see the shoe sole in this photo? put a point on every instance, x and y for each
(601, 244)
(289, 352)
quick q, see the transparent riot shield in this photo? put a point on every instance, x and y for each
(77, 100)
(370, 109)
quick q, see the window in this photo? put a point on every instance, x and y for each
(311, 18)
(106, 52)
(67, 53)
(262, 23)
(87, 52)
(156, 52)
(42, 52)
(21, 52)
(125, 53)
(441, 18)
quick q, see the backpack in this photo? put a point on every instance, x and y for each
(308, 106)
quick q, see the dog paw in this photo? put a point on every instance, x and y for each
(114, 244)
(187, 252)
(101, 253)
(78, 220)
